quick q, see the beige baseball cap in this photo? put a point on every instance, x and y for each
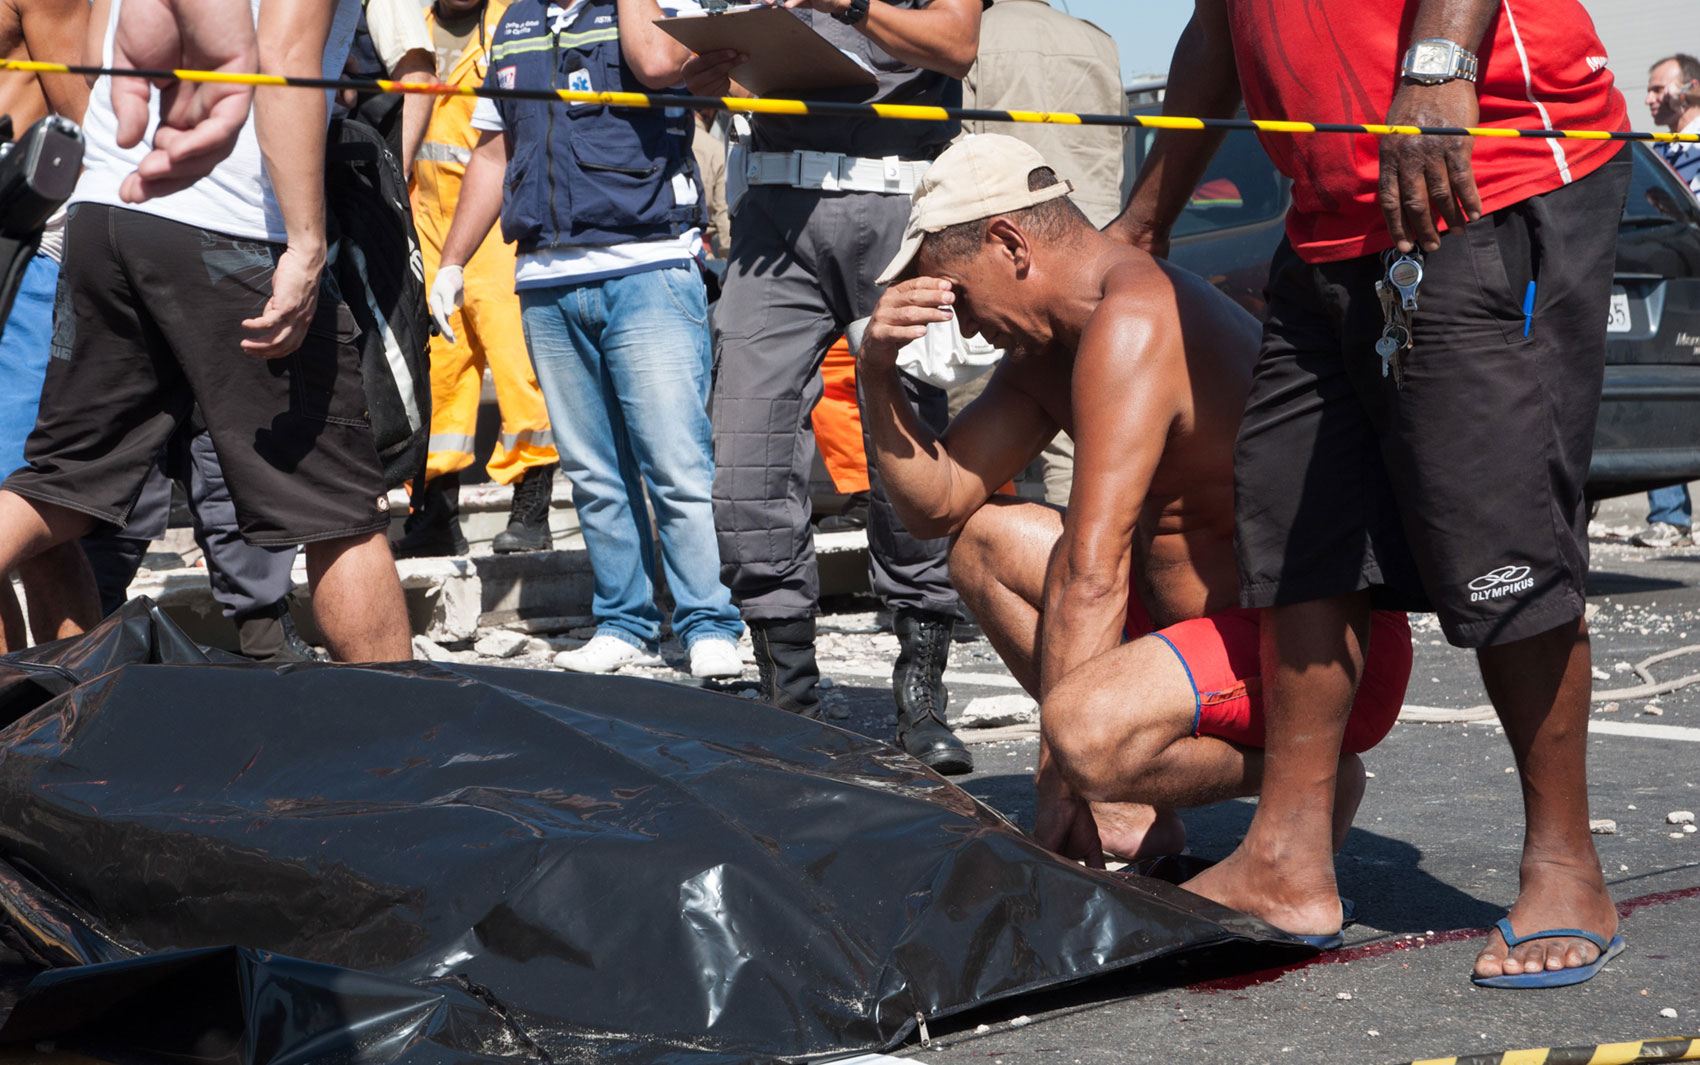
(977, 177)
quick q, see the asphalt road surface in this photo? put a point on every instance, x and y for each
(1431, 864)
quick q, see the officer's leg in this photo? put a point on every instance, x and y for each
(771, 330)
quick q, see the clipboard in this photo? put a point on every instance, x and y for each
(785, 54)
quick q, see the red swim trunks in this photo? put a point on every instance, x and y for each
(1220, 655)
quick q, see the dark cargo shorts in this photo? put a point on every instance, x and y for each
(149, 320)
(1461, 491)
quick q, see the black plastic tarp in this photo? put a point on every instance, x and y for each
(423, 862)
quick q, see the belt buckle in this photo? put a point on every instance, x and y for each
(818, 170)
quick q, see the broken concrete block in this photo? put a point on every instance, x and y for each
(430, 651)
(500, 643)
(997, 711)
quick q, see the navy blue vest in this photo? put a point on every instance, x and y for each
(583, 174)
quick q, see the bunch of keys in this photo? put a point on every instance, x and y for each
(1398, 296)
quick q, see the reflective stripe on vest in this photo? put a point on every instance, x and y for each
(437, 152)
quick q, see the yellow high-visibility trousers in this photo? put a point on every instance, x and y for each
(487, 334)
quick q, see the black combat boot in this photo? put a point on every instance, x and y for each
(917, 683)
(528, 519)
(785, 662)
(433, 527)
(854, 515)
(268, 635)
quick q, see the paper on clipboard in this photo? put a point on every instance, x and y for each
(785, 54)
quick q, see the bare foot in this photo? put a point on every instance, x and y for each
(1133, 830)
(1554, 895)
(1281, 887)
(1349, 786)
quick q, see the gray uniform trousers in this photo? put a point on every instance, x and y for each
(802, 267)
(244, 577)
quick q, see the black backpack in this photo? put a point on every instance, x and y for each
(374, 257)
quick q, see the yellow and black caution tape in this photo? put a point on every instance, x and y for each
(817, 108)
(1633, 1053)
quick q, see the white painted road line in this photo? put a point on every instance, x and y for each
(983, 680)
(1646, 732)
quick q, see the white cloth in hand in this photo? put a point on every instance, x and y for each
(943, 358)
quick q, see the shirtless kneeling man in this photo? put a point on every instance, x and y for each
(1120, 614)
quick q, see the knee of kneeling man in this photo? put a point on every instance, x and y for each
(1081, 744)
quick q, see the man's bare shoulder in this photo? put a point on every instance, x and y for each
(1155, 310)
(1136, 318)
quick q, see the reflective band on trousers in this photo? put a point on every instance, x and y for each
(437, 152)
(533, 437)
(456, 442)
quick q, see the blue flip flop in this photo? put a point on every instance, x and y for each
(1332, 941)
(1551, 977)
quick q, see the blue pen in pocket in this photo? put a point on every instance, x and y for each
(1528, 308)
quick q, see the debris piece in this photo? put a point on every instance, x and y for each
(1667, 1012)
(1690, 828)
(500, 643)
(1343, 996)
(1603, 827)
(1021, 1021)
(1653, 711)
(998, 711)
(431, 651)
(982, 1029)
(1609, 708)
(1680, 817)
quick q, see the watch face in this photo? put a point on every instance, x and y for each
(1431, 57)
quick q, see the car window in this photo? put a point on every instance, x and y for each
(1240, 188)
(1656, 194)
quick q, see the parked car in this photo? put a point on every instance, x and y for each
(1649, 427)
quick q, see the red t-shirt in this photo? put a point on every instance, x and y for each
(1541, 65)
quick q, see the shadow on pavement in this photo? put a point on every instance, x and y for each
(1602, 582)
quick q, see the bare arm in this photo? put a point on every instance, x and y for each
(935, 486)
(944, 36)
(1420, 173)
(480, 202)
(656, 58)
(290, 126)
(54, 32)
(1203, 82)
(1125, 405)
(416, 67)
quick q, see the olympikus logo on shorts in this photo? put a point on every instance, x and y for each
(1506, 580)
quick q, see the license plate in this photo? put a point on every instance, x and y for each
(1617, 318)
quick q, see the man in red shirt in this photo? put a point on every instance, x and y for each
(1420, 448)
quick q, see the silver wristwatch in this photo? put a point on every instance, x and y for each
(1435, 60)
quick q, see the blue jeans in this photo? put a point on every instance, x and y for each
(23, 358)
(624, 367)
(1670, 504)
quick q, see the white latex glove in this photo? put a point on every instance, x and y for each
(447, 293)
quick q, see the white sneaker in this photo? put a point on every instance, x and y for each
(715, 658)
(604, 654)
